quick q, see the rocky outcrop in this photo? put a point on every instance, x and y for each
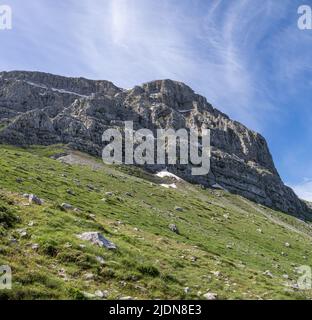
(38, 108)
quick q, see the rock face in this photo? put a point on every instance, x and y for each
(39, 108)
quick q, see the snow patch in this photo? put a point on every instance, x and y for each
(165, 173)
(168, 186)
(56, 90)
(69, 92)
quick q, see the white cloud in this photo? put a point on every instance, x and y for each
(214, 51)
(304, 189)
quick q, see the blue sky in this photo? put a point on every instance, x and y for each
(246, 56)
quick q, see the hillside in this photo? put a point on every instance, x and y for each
(225, 244)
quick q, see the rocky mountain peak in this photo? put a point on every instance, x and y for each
(40, 108)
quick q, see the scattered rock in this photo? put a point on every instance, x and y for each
(97, 239)
(287, 245)
(101, 294)
(126, 298)
(71, 192)
(210, 296)
(35, 246)
(216, 273)
(89, 276)
(268, 273)
(89, 295)
(178, 209)
(34, 199)
(109, 194)
(174, 228)
(67, 206)
(100, 260)
(22, 233)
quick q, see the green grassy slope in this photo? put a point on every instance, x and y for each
(225, 245)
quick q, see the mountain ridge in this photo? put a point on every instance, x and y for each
(41, 108)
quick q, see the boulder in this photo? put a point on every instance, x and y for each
(97, 239)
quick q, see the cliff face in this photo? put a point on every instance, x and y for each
(38, 108)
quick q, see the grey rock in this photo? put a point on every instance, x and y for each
(210, 296)
(174, 228)
(126, 298)
(101, 294)
(97, 239)
(268, 273)
(67, 206)
(179, 209)
(71, 192)
(100, 260)
(34, 199)
(35, 246)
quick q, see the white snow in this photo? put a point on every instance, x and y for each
(168, 186)
(69, 92)
(55, 89)
(165, 173)
(36, 85)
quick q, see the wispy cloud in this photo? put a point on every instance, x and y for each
(214, 46)
(304, 189)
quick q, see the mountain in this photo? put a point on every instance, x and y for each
(43, 109)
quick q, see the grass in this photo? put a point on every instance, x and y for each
(225, 244)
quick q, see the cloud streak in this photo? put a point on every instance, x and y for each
(304, 190)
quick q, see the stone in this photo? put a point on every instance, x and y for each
(100, 294)
(33, 199)
(71, 192)
(174, 228)
(35, 246)
(268, 273)
(67, 206)
(89, 276)
(100, 260)
(210, 296)
(179, 209)
(97, 239)
(126, 298)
